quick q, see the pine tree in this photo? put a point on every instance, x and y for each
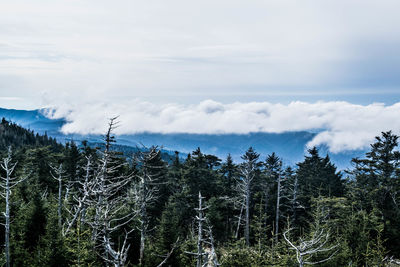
(378, 184)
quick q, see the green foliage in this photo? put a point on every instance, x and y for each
(243, 256)
(80, 247)
(51, 249)
(184, 258)
(238, 254)
(14, 135)
(318, 176)
(361, 212)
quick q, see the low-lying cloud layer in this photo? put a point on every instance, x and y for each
(340, 125)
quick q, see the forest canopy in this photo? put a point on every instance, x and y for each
(77, 205)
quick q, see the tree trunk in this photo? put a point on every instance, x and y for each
(278, 198)
(294, 205)
(239, 222)
(247, 227)
(59, 200)
(7, 226)
(200, 235)
(266, 193)
(143, 216)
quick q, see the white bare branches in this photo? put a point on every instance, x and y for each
(317, 244)
(206, 254)
(106, 195)
(295, 204)
(81, 199)
(391, 260)
(239, 217)
(273, 169)
(116, 257)
(278, 200)
(248, 170)
(57, 174)
(200, 219)
(212, 255)
(145, 190)
(7, 183)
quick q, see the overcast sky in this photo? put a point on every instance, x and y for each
(75, 55)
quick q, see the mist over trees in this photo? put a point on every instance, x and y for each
(75, 205)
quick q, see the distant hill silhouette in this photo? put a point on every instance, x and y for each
(33, 119)
(11, 134)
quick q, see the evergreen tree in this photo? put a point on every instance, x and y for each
(378, 185)
(361, 213)
(318, 176)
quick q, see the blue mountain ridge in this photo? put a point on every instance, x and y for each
(290, 146)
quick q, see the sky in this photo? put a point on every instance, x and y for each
(87, 60)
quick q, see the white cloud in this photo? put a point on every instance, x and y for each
(75, 51)
(340, 125)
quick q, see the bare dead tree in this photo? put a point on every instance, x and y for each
(277, 213)
(306, 249)
(204, 257)
(7, 183)
(241, 205)
(294, 202)
(248, 171)
(80, 199)
(244, 186)
(102, 180)
(117, 257)
(212, 257)
(273, 168)
(293, 193)
(145, 190)
(318, 242)
(108, 199)
(57, 173)
(200, 219)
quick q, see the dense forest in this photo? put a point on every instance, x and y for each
(79, 205)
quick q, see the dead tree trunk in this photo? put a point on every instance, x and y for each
(7, 183)
(273, 166)
(306, 249)
(244, 186)
(277, 214)
(58, 175)
(204, 237)
(79, 208)
(200, 221)
(143, 217)
(248, 171)
(266, 195)
(247, 226)
(239, 221)
(212, 257)
(7, 233)
(145, 191)
(294, 198)
(108, 198)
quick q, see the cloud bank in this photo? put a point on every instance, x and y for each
(342, 126)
